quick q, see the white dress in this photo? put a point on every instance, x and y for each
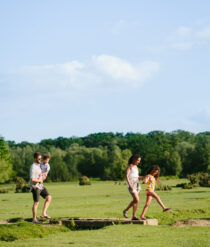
(134, 180)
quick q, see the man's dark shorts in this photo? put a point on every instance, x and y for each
(37, 193)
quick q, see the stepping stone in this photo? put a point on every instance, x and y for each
(94, 223)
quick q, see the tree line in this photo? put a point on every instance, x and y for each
(105, 155)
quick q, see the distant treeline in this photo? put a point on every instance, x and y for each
(105, 155)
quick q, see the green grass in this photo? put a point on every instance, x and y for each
(123, 236)
(25, 230)
(107, 199)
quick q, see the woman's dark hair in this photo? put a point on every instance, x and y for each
(133, 158)
(153, 169)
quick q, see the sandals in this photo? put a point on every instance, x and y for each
(143, 218)
(45, 217)
(135, 218)
(166, 209)
(125, 214)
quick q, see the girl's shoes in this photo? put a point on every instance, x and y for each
(166, 209)
(135, 218)
(125, 214)
(143, 218)
(45, 217)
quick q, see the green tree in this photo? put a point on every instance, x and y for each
(6, 171)
(59, 170)
(201, 154)
(186, 150)
(173, 162)
(117, 163)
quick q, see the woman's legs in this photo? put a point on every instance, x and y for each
(148, 201)
(133, 203)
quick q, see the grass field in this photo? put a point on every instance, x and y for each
(107, 199)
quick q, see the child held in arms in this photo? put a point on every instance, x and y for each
(45, 167)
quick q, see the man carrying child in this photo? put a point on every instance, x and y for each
(38, 173)
(45, 167)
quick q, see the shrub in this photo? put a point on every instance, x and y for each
(21, 186)
(185, 185)
(163, 187)
(4, 190)
(181, 185)
(84, 181)
(201, 179)
(188, 186)
(194, 178)
(26, 188)
(169, 177)
(204, 180)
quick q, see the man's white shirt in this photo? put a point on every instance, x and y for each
(35, 171)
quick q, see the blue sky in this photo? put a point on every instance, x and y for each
(71, 68)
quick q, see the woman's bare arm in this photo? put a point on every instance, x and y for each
(127, 177)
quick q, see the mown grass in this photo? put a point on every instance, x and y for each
(25, 230)
(108, 199)
(123, 236)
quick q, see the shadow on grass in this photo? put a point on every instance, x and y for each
(197, 192)
(15, 220)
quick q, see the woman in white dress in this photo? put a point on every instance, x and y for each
(134, 187)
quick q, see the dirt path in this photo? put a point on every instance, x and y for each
(4, 222)
(193, 223)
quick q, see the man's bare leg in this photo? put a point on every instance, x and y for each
(34, 210)
(46, 205)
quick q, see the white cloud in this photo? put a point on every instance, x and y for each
(204, 33)
(115, 67)
(51, 77)
(202, 117)
(181, 38)
(98, 71)
(53, 87)
(121, 26)
(182, 33)
(184, 38)
(121, 70)
(197, 122)
(199, 22)
(182, 45)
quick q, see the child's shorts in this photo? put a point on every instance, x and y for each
(149, 190)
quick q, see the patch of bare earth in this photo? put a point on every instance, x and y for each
(193, 223)
(4, 222)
